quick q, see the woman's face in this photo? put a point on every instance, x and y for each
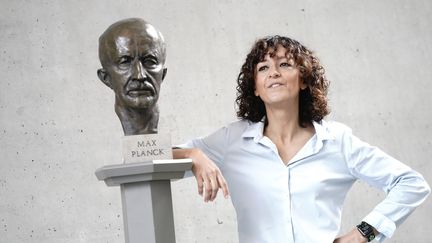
(277, 79)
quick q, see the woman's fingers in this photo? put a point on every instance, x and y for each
(210, 183)
(200, 184)
(214, 187)
(208, 176)
(207, 188)
(223, 185)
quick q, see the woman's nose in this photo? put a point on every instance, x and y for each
(274, 73)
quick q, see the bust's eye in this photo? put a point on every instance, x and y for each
(150, 62)
(125, 60)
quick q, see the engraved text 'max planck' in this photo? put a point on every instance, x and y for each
(149, 148)
(146, 147)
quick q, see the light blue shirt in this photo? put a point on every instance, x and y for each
(302, 202)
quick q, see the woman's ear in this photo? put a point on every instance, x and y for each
(303, 85)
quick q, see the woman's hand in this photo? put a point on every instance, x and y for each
(208, 176)
(353, 236)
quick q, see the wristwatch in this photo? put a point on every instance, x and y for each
(366, 230)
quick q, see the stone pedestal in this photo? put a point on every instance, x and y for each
(146, 197)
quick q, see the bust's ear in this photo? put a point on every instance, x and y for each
(164, 73)
(104, 77)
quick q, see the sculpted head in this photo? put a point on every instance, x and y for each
(132, 55)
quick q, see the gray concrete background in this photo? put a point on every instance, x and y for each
(58, 124)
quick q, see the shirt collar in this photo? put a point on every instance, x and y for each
(255, 130)
(322, 131)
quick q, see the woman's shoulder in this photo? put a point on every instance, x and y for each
(238, 127)
(334, 125)
(335, 128)
(242, 128)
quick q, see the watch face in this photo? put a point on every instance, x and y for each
(366, 230)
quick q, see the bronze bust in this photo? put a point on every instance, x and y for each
(132, 53)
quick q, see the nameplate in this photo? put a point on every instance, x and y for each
(146, 147)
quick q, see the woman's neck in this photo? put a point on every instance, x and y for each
(283, 122)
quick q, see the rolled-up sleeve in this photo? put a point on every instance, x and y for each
(406, 189)
(213, 145)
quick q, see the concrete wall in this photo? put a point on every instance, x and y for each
(58, 124)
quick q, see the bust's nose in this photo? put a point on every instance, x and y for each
(138, 71)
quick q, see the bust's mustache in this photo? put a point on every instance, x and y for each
(140, 85)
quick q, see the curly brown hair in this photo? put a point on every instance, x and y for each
(313, 100)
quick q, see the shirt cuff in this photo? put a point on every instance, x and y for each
(382, 224)
(187, 145)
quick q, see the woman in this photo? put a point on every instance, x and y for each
(287, 169)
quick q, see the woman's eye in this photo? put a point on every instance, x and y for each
(262, 68)
(285, 64)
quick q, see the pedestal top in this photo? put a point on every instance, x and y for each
(118, 174)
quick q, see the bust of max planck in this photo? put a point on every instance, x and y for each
(132, 54)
